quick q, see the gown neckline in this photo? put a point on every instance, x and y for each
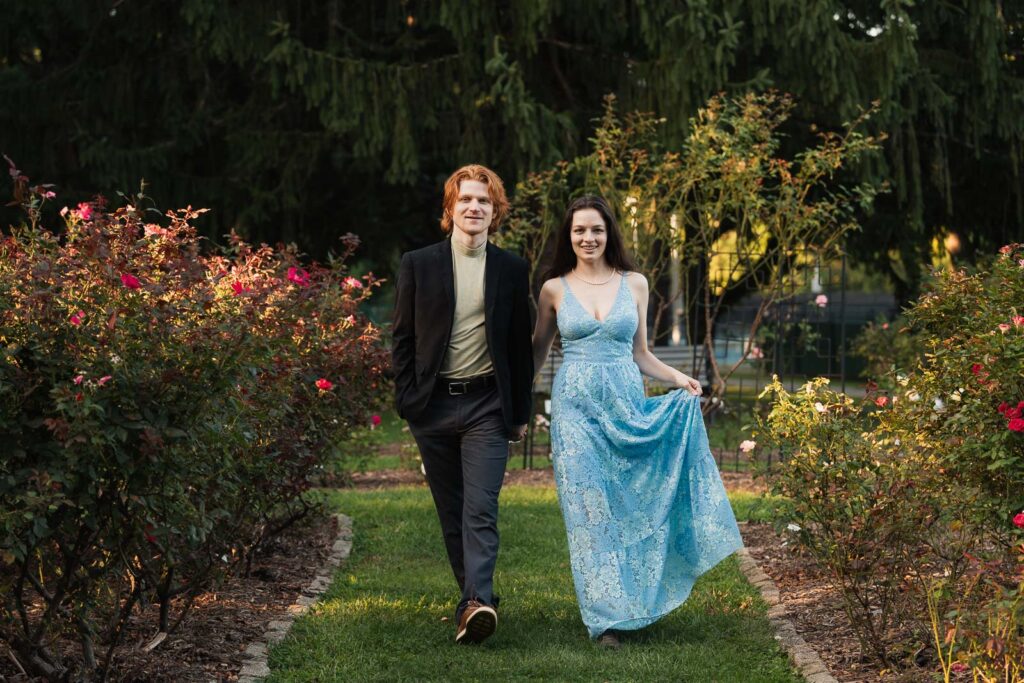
(615, 303)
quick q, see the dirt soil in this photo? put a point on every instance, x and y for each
(222, 622)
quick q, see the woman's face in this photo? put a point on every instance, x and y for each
(589, 236)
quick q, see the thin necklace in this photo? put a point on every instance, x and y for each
(595, 284)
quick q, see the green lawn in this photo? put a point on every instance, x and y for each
(385, 616)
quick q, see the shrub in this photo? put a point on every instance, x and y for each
(161, 412)
(923, 481)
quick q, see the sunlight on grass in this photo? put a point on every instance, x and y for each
(388, 615)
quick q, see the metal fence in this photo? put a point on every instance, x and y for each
(805, 333)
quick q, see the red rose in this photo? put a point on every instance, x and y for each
(130, 281)
(1018, 520)
(76, 318)
(1012, 413)
(976, 368)
(298, 276)
(375, 420)
(238, 288)
(1016, 425)
(1003, 407)
(324, 384)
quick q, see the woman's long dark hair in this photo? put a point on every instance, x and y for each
(614, 251)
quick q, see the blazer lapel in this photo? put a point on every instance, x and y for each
(444, 266)
(492, 271)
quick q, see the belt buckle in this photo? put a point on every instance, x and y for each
(451, 388)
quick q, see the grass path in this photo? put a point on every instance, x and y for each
(384, 617)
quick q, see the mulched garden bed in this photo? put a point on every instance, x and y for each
(814, 607)
(209, 643)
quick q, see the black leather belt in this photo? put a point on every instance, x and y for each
(458, 387)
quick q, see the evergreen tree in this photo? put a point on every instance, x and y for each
(302, 120)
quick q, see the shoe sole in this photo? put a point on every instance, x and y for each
(479, 627)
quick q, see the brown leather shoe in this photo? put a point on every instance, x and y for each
(477, 623)
(609, 640)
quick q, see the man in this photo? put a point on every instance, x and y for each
(463, 372)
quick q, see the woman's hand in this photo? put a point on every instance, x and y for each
(688, 383)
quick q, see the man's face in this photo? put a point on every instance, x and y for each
(473, 210)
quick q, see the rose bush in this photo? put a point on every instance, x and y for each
(912, 497)
(162, 411)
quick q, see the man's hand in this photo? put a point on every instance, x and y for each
(518, 432)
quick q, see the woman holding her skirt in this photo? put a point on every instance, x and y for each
(644, 506)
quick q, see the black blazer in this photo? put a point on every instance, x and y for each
(425, 310)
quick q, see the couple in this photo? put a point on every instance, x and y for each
(644, 506)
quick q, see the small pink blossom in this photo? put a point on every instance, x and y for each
(756, 353)
(85, 211)
(151, 230)
(1018, 520)
(49, 194)
(976, 369)
(374, 421)
(351, 320)
(78, 379)
(1018, 320)
(298, 276)
(1004, 327)
(958, 667)
(748, 445)
(64, 212)
(324, 384)
(1021, 263)
(885, 326)
(352, 283)
(77, 318)
(1005, 249)
(821, 301)
(882, 401)
(130, 281)
(103, 380)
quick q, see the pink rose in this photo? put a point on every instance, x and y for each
(1016, 425)
(103, 380)
(821, 301)
(885, 326)
(298, 276)
(882, 401)
(958, 667)
(1018, 520)
(748, 445)
(352, 283)
(1004, 327)
(1005, 249)
(1018, 320)
(78, 379)
(130, 281)
(85, 211)
(324, 384)
(375, 420)
(77, 318)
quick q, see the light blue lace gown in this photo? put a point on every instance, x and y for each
(644, 506)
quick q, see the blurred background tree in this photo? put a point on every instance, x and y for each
(300, 121)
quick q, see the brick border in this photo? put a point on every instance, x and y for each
(254, 663)
(803, 658)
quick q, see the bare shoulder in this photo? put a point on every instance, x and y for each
(551, 292)
(636, 282)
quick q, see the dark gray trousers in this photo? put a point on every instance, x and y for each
(464, 445)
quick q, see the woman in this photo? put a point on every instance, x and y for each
(644, 505)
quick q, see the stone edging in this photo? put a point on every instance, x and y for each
(805, 659)
(254, 664)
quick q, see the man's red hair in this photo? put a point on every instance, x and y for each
(495, 190)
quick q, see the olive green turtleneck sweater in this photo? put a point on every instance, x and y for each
(467, 354)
